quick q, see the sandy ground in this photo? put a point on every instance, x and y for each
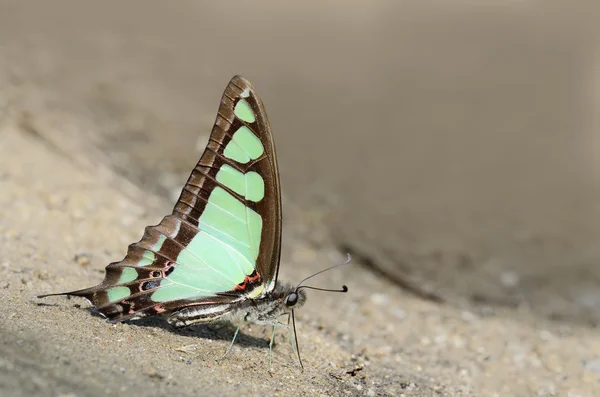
(451, 146)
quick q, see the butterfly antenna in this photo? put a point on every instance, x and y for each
(344, 288)
(296, 339)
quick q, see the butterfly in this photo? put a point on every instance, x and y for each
(216, 257)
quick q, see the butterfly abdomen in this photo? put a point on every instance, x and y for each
(206, 314)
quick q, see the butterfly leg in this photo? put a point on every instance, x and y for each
(231, 344)
(289, 336)
(275, 325)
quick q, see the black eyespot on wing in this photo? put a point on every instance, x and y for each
(156, 274)
(150, 285)
(169, 271)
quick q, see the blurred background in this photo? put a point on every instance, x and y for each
(452, 146)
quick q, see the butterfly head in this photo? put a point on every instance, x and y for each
(286, 298)
(294, 299)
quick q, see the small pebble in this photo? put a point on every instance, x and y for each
(82, 259)
(379, 299)
(593, 366)
(399, 313)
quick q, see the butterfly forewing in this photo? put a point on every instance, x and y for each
(222, 241)
(240, 144)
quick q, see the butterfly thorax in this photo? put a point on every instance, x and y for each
(263, 310)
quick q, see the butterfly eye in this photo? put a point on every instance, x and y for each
(291, 299)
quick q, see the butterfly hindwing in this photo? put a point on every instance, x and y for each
(222, 241)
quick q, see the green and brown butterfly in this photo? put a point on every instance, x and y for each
(215, 258)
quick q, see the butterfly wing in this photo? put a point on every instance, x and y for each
(222, 242)
(240, 159)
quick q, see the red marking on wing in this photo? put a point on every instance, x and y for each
(249, 280)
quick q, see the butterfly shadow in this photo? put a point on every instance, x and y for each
(217, 331)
